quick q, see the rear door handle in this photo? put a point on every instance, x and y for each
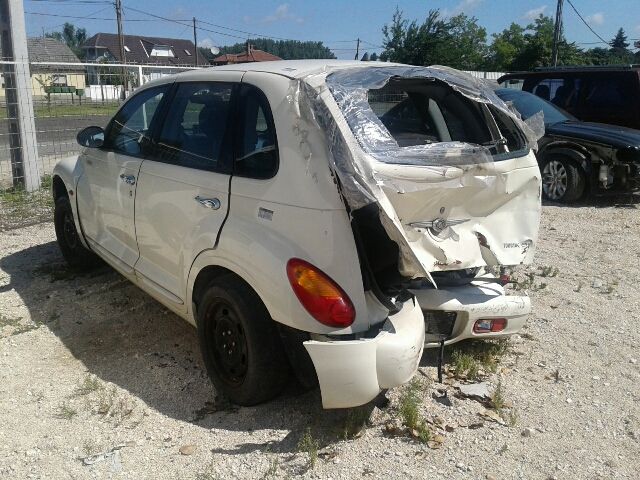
(212, 203)
(128, 179)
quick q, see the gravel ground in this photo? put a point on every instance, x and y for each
(97, 380)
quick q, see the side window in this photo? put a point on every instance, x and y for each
(128, 132)
(193, 132)
(256, 148)
(562, 92)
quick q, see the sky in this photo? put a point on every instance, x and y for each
(337, 24)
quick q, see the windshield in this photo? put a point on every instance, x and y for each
(528, 105)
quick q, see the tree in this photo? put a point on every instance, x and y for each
(285, 49)
(458, 42)
(72, 36)
(373, 57)
(365, 57)
(619, 42)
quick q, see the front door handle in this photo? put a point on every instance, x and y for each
(128, 179)
(212, 203)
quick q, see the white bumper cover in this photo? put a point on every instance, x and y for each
(480, 299)
(354, 372)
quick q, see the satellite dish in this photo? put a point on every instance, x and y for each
(215, 50)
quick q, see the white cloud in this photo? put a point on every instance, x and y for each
(595, 19)
(282, 13)
(534, 13)
(465, 6)
(206, 43)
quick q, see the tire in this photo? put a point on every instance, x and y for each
(75, 254)
(254, 368)
(562, 180)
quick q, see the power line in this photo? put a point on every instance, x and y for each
(585, 22)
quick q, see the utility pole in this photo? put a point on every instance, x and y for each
(195, 39)
(557, 33)
(357, 50)
(118, 5)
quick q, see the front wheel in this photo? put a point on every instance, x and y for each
(76, 255)
(562, 180)
(240, 344)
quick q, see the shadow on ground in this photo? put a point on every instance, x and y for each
(125, 337)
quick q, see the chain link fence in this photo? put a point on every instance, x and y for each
(40, 114)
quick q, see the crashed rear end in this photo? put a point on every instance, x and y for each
(441, 182)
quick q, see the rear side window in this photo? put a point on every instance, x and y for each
(194, 131)
(129, 131)
(256, 146)
(609, 93)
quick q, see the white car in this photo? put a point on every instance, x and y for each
(310, 217)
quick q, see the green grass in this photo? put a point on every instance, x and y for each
(469, 358)
(309, 445)
(88, 108)
(65, 412)
(88, 385)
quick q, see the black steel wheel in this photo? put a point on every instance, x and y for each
(240, 344)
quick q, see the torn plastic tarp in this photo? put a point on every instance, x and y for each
(444, 165)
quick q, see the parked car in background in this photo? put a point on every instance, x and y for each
(576, 156)
(607, 94)
(268, 205)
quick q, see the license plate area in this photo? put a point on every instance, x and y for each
(438, 325)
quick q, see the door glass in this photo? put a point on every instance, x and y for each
(194, 129)
(608, 94)
(562, 92)
(128, 132)
(257, 155)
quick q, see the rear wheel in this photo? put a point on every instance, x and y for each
(562, 180)
(76, 255)
(240, 343)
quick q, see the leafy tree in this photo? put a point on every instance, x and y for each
(506, 46)
(457, 41)
(285, 49)
(72, 36)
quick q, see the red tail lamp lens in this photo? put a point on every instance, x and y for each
(319, 295)
(490, 325)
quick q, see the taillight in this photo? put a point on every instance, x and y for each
(319, 295)
(490, 325)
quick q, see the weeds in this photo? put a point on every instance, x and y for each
(355, 421)
(309, 445)
(497, 397)
(89, 385)
(409, 410)
(470, 358)
(16, 327)
(512, 417)
(65, 412)
(547, 271)
(272, 471)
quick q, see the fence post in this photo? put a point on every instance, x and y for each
(140, 79)
(18, 96)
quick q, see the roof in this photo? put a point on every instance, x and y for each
(140, 49)
(254, 55)
(50, 50)
(291, 68)
(546, 71)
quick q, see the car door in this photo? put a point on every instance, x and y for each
(183, 189)
(106, 190)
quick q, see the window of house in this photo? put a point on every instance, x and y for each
(59, 80)
(194, 130)
(159, 51)
(187, 52)
(256, 149)
(129, 131)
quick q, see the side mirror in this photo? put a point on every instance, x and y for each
(92, 137)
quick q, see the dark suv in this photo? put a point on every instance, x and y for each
(608, 94)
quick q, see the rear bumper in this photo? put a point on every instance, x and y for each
(354, 372)
(480, 299)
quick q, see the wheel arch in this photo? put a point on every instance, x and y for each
(58, 188)
(578, 154)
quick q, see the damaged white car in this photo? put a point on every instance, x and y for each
(311, 217)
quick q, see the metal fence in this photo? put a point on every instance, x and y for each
(40, 114)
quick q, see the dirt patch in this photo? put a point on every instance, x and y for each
(98, 379)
